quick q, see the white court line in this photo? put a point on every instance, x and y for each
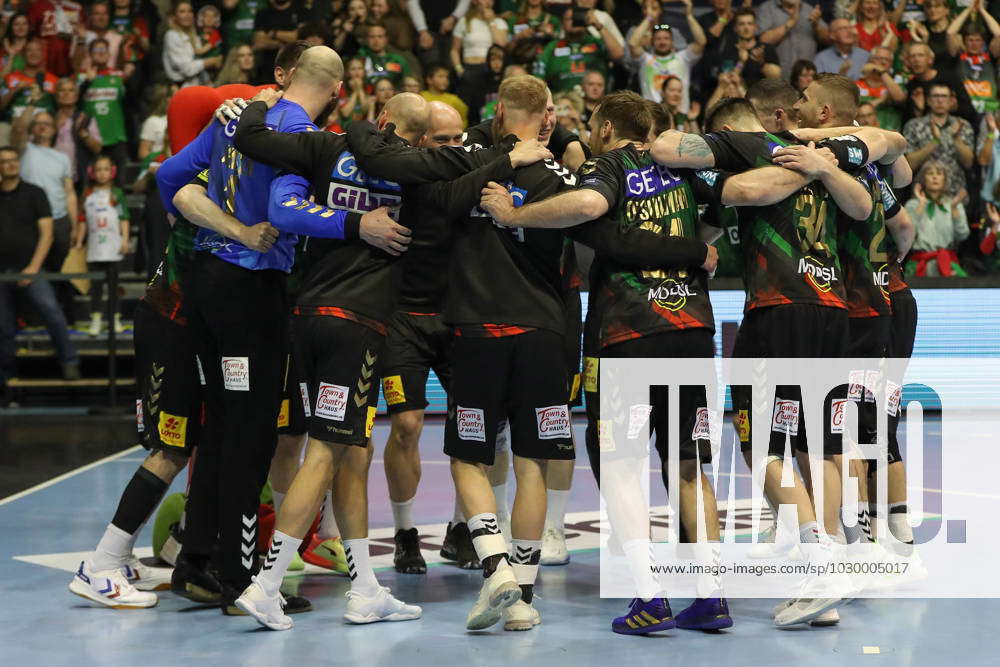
(67, 475)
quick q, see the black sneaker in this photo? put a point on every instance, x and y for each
(294, 604)
(458, 547)
(407, 558)
(195, 582)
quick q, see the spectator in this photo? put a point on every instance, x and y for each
(55, 21)
(793, 28)
(384, 91)
(346, 26)
(939, 218)
(867, 115)
(238, 66)
(673, 96)
(594, 88)
(181, 44)
(753, 59)
(803, 73)
(569, 107)
(988, 243)
(717, 26)
(472, 38)
(923, 74)
(934, 32)
(530, 28)
(976, 64)
(77, 134)
(238, 22)
(104, 229)
(32, 82)
(843, 57)
(153, 150)
(209, 20)
(730, 85)
(274, 26)
(32, 136)
(496, 62)
(411, 85)
(878, 88)
(601, 26)
(437, 81)
(25, 239)
(988, 156)
(942, 137)
(99, 22)
(355, 99)
(664, 60)
(398, 26)
(434, 21)
(134, 30)
(14, 40)
(564, 61)
(380, 62)
(153, 135)
(103, 100)
(874, 27)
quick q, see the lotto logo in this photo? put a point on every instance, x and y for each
(786, 417)
(605, 435)
(304, 390)
(331, 401)
(283, 414)
(743, 425)
(702, 425)
(172, 429)
(838, 407)
(392, 387)
(370, 421)
(591, 367)
(236, 373)
(553, 422)
(471, 423)
(637, 416)
(138, 416)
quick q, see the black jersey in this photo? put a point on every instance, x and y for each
(789, 248)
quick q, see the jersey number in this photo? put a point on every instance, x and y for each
(811, 222)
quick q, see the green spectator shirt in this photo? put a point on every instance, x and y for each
(238, 25)
(562, 64)
(390, 66)
(102, 100)
(20, 100)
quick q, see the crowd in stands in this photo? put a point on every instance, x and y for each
(82, 80)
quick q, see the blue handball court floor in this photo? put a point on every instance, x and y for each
(48, 528)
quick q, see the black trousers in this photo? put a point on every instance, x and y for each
(238, 319)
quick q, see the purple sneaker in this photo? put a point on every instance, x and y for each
(645, 617)
(705, 614)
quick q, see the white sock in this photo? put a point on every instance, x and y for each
(486, 537)
(524, 558)
(359, 567)
(709, 583)
(555, 514)
(899, 527)
(500, 492)
(114, 547)
(457, 517)
(402, 514)
(809, 532)
(637, 552)
(328, 522)
(283, 549)
(279, 498)
(852, 534)
(865, 523)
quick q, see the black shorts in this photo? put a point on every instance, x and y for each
(792, 331)
(292, 412)
(169, 381)
(338, 360)
(415, 344)
(868, 337)
(522, 378)
(693, 435)
(904, 324)
(574, 333)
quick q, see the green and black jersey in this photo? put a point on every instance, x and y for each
(728, 244)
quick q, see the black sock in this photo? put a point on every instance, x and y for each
(527, 592)
(143, 493)
(490, 563)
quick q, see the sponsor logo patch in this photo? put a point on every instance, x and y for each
(786, 417)
(670, 294)
(172, 429)
(370, 421)
(838, 409)
(304, 390)
(471, 423)
(591, 366)
(138, 416)
(574, 389)
(392, 387)
(893, 393)
(283, 414)
(702, 425)
(553, 422)
(743, 425)
(236, 373)
(605, 435)
(331, 401)
(855, 385)
(820, 276)
(637, 416)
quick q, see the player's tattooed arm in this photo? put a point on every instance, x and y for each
(682, 150)
(762, 186)
(563, 210)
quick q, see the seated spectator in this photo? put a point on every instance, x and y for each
(355, 99)
(664, 61)
(939, 218)
(867, 115)
(754, 59)
(569, 108)
(384, 91)
(774, 101)
(411, 85)
(238, 66)
(103, 92)
(32, 82)
(874, 27)
(794, 29)
(941, 136)
(923, 74)
(472, 38)
(134, 29)
(438, 82)
(181, 44)
(274, 26)
(594, 88)
(844, 56)
(977, 63)
(78, 135)
(54, 21)
(879, 88)
(25, 239)
(530, 28)
(346, 27)
(803, 73)
(380, 62)
(673, 96)
(98, 26)
(14, 40)
(934, 31)
(988, 156)
(564, 61)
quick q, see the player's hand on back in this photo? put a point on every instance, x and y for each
(268, 96)
(259, 237)
(528, 152)
(384, 233)
(498, 202)
(711, 259)
(230, 109)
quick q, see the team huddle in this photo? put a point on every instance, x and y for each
(306, 270)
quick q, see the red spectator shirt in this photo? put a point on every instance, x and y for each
(53, 21)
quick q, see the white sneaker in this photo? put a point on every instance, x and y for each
(146, 578)
(554, 550)
(804, 610)
(381, 606)
(499, 591)
(95, 324)
(831, 617)
(766, 547)
(109, 588)
(266, 609)
(520, 616)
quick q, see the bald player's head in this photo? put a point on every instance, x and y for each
(445, 129)
(410, 113)
(318, 66)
